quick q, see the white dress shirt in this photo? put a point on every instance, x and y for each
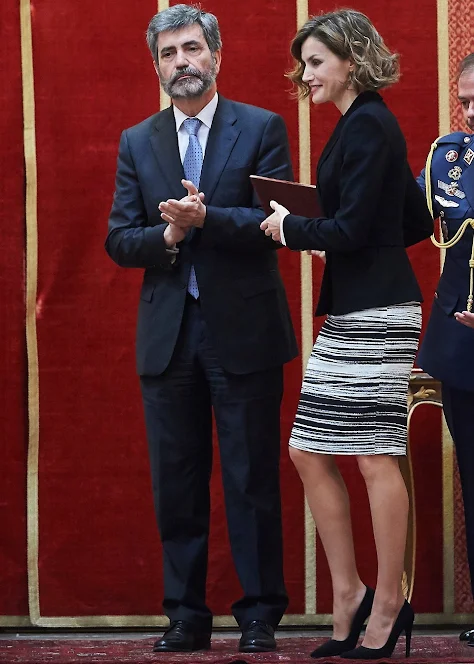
(206, 116)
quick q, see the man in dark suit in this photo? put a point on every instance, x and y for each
(211, 298)
(447, 351)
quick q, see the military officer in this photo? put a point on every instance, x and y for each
(447, 351)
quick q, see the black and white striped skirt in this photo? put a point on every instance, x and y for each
(354, 394)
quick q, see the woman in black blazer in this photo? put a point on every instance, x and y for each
(354, 393)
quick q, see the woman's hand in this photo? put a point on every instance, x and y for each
(465, 318)
(272, 224)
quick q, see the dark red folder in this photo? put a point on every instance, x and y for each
(300, 199)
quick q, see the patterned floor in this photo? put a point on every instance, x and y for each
(70, 648)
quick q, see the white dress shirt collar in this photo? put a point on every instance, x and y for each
(206, 115)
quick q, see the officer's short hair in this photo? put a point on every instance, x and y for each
(180, 16)
(466, 64)
(348, 34)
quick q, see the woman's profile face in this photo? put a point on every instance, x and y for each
(325, 73)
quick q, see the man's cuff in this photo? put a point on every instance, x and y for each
(172, 252)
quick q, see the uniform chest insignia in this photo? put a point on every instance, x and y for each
(469, 156)
(451, 189)
(455, 173)
(451, 155)
(445, 203)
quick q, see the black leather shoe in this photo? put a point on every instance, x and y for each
(182, 636)
(467, 635)
(257, 636)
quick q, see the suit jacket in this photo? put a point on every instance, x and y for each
(241, 292)
(373, 209)
(447, 351)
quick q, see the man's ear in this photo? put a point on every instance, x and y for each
(218, 59)
(156, 68)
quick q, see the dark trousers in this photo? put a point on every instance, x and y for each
(458, 406)
(178, 412)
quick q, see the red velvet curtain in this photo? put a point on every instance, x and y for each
(98, 555)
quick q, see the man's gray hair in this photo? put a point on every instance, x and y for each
(180, 16)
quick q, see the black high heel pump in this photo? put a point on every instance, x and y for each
(403, 623)
(334, 647)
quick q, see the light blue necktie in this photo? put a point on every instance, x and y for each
(192, 165)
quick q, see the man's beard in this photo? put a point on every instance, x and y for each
(187, 88)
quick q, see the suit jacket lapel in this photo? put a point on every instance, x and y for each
(164, 142)
(221, 140)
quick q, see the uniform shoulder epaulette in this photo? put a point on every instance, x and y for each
(456, 137)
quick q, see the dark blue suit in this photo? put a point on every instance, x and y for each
(447, 351)
(223, 354)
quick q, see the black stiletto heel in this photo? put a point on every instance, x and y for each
(403, 623)
(334, 647)
(408, 639)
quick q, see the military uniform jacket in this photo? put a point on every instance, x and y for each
(447, 351)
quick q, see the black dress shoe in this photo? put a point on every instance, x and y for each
(182, 636)
(467, 635)
(257, 636)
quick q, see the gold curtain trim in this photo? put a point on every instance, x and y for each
(306, 281)
(312, 620)
(165, 101)
(29, 139)
(15, 621)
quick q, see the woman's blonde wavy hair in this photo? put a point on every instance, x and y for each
(349, 34)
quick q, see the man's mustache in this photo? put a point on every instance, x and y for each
(189, 71)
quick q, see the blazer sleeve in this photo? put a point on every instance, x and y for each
(130, 242)
(238, 228)
(421, 181)
(417, 220)
(366, 154)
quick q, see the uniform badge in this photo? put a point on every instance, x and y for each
(451, 189)
(445, 203)
(455, 173)
(451, 155)
(469, 156)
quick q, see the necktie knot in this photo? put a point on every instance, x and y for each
(192, 126)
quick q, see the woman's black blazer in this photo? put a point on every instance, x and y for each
(374, 209)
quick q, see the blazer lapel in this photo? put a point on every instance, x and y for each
(164, 142)
(221, 140)
(361, 99)
(328, 148)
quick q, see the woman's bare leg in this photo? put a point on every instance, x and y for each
(329, 504)
(388, 500)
